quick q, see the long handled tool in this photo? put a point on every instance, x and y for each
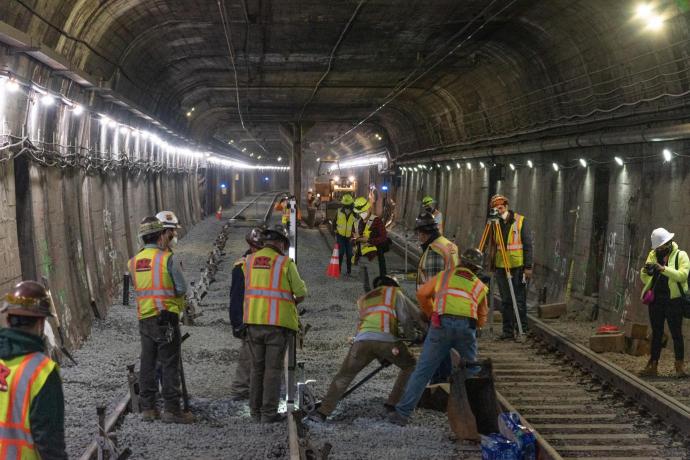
(383, 364)
(183, 382)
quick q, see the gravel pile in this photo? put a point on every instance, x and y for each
(224, 429)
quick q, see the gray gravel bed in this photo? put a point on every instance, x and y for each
(358, 429)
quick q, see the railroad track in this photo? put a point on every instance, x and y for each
(253, 214)
(581, 405)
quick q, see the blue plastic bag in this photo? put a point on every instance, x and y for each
(511, 427)
(497, 447)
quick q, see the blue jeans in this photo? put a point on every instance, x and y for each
(455, 332)
(345, 250)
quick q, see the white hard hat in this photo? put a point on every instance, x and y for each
(168, 219)
(661, 236)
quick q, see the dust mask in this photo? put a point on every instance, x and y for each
(505, 215)
(173, 242)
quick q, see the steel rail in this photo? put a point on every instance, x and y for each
(655, 401)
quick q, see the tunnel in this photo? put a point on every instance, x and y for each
(237, 113)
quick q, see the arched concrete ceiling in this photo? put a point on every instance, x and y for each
(531, 66)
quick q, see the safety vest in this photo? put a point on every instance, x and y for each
(366, 247)
(21, 379)
(377, 311)
(285, 219)
(446, 249)
(438, 218)
(153, 285)
(345, 223)
(459, 293)
(268, 298)
(514, 246)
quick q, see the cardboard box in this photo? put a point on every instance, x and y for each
(636, 330)
(600, 343)
(637, 347)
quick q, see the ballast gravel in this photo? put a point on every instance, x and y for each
(224, 430)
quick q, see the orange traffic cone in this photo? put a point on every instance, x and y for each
(334, 267)
(219, 213)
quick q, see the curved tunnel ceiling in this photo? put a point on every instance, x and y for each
(519, 67)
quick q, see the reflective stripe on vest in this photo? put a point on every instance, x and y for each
(459, 293)
(366, 247)
(28, 374)
(153, 285)
(514, 248)
(267, 297)
(377, 311)
(344, 223)
(443, 247)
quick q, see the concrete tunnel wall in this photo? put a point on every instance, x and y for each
(591, 225)
(78, 228)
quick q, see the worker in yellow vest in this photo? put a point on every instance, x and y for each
(272, 291)
(438, 254)
(344, 226)
(429, 205)
(455, 300)
(32, 408)
(518, 242)
(370, 235)
(384, 313)
(239, 390)
(159, 288)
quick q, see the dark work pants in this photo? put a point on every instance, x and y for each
(382, 262)
(509, 323)
(156, 348)
(670, 311)
(344, 250)
(267, 345)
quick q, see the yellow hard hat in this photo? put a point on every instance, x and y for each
(428, 200)
(362, 205)
(347, 200)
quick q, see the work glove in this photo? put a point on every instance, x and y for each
(239, 332)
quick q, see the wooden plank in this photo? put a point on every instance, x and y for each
(598, 436)
(586, 426)
(574, 416)
(293, 439)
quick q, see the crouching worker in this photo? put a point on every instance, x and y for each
(455, 300)
(160, 289)
(382, 312)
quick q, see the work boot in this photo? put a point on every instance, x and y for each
(177, 417)
(650, 370)
(398, 419)
(390, 408)
(149, 415)
(506, 336)
(239, 397)
(680, 369)
(273, 418)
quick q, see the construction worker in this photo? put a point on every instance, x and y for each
(160, 289)
(455, 300)
(383, 312)
(371, 236)
(518, 243)
(170, 221)
(273, 289)
(665, 278)
(32, 408)
(239, 389)
(284, 208)
(428, 203)
(344, 225)
(439, 254)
